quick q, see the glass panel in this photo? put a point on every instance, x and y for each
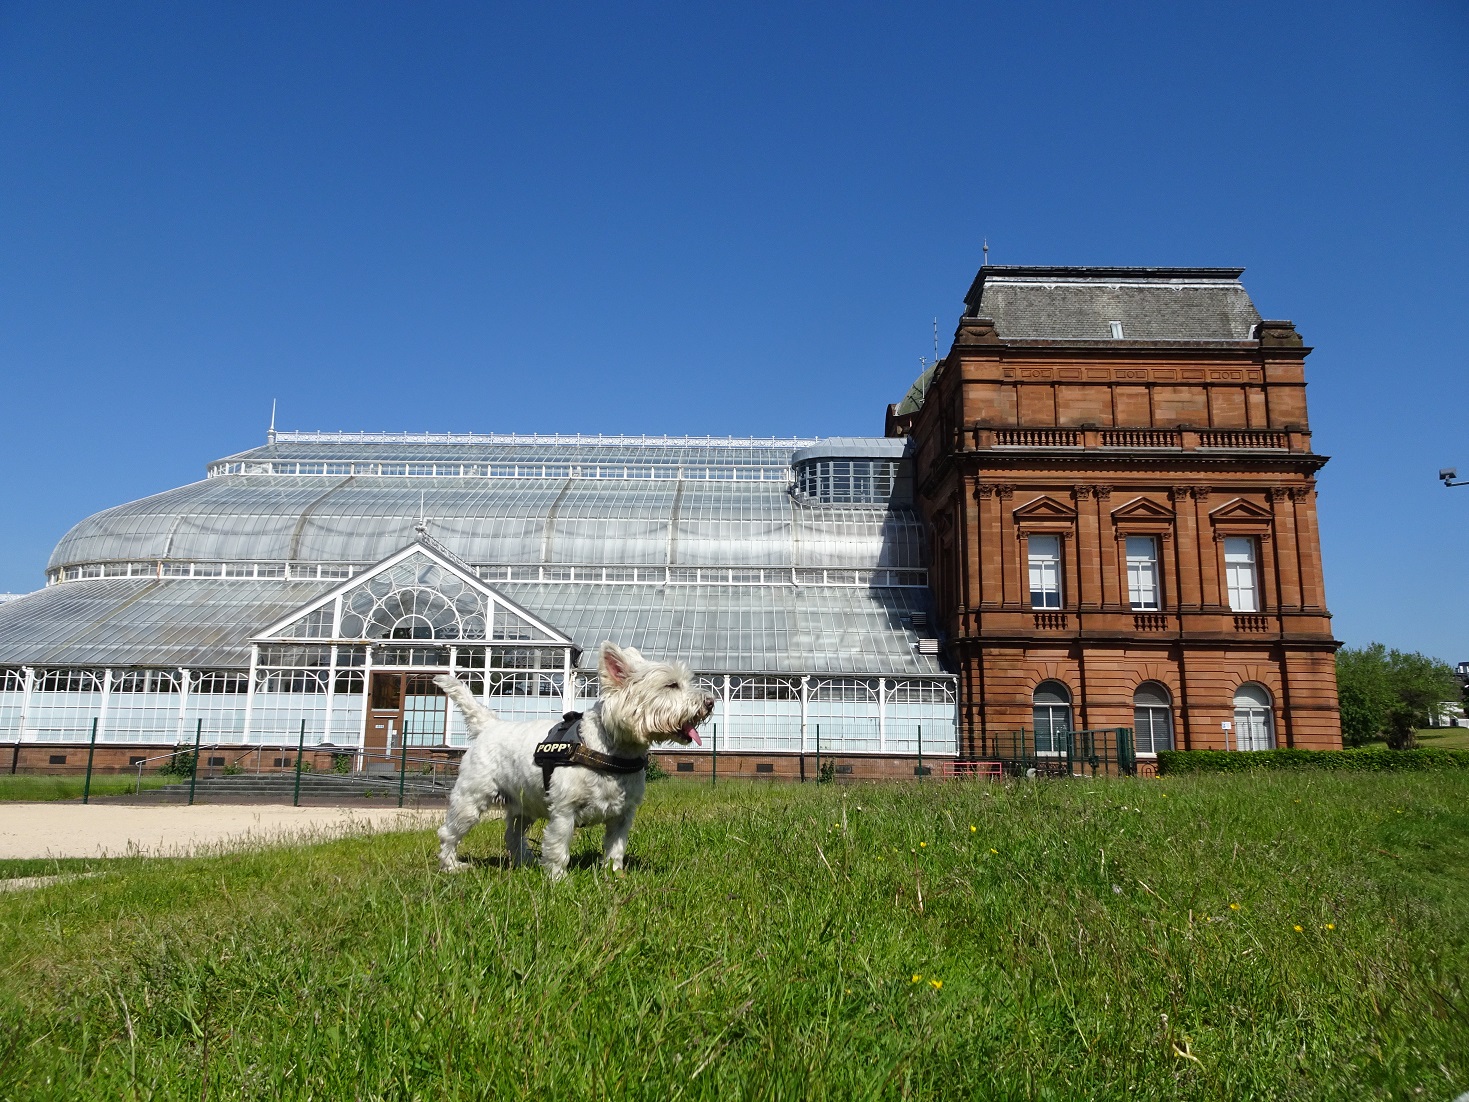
(1150, 692)
(1239, 570)
(1045, 571)
(387, 692)
(1142, 572)
(425, 710)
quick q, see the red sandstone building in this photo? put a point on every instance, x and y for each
(1117, 471)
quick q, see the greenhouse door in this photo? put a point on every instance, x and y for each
(406, 707)
(384, 721)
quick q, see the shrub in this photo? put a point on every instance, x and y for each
(181, 764)
(655, 771)
(341, 763)
(828, 772)
(1372, 760)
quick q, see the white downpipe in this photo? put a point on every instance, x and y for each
(366, 699)
(882, 715)
(25, 698)
(805, 707)
(250, 691)
(183, 717)
(106, 699)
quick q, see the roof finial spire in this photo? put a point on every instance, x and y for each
(986, 259)
(270, 433)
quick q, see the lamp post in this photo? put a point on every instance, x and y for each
(1447, 476)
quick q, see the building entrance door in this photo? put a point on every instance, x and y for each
(405, 708)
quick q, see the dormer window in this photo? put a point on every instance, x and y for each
(1116, 330)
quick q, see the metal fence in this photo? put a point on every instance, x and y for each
(1107, 751)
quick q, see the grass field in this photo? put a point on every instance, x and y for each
(1221, 937)
(1444, 738)
(23, 786)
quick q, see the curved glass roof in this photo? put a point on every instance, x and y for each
(578, 517)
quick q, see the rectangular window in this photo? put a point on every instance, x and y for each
(1142, 573)
(1239, 573)
(1045, 571)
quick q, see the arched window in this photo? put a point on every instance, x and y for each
(1152, 718)
(1052, 703)
(1254, 727)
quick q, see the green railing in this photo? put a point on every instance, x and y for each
(1108, 751)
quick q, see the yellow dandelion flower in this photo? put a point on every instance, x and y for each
(1234, 906)
(922, 845)
(1331, 925)
(1298, 929)
(972, 828)
(937, 985)
(917, 977)
(993, 850)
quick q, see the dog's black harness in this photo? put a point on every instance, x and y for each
(563, 746)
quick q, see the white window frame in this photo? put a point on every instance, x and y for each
(1149, 716)
(1254, 720)
(1241, 578)
(1143, 591)
(1044, 570)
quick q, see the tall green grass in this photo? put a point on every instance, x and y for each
(1272, 936)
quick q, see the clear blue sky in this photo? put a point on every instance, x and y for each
(723, 219)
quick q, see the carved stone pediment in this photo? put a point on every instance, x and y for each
(1142, 509)
(1240, 511)
(1142, 516)
(1044, 512)
(1241, 518)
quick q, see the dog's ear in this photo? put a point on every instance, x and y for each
(616, 666)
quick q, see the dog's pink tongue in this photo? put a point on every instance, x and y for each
(689, 730)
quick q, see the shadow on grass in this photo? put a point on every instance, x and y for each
(579, 862)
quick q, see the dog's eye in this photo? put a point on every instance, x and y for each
(672, 685)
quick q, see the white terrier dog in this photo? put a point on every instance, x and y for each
(642, 702)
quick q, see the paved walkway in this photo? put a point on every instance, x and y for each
(65, 829)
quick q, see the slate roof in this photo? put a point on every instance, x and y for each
(1080, 304)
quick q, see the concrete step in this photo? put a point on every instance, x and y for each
(351, 788)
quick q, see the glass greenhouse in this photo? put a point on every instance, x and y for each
(325, 578)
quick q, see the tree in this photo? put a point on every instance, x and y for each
(1390, 693)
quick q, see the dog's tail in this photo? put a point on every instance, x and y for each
(476, 716)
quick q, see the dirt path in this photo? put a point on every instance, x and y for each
(57, 829)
